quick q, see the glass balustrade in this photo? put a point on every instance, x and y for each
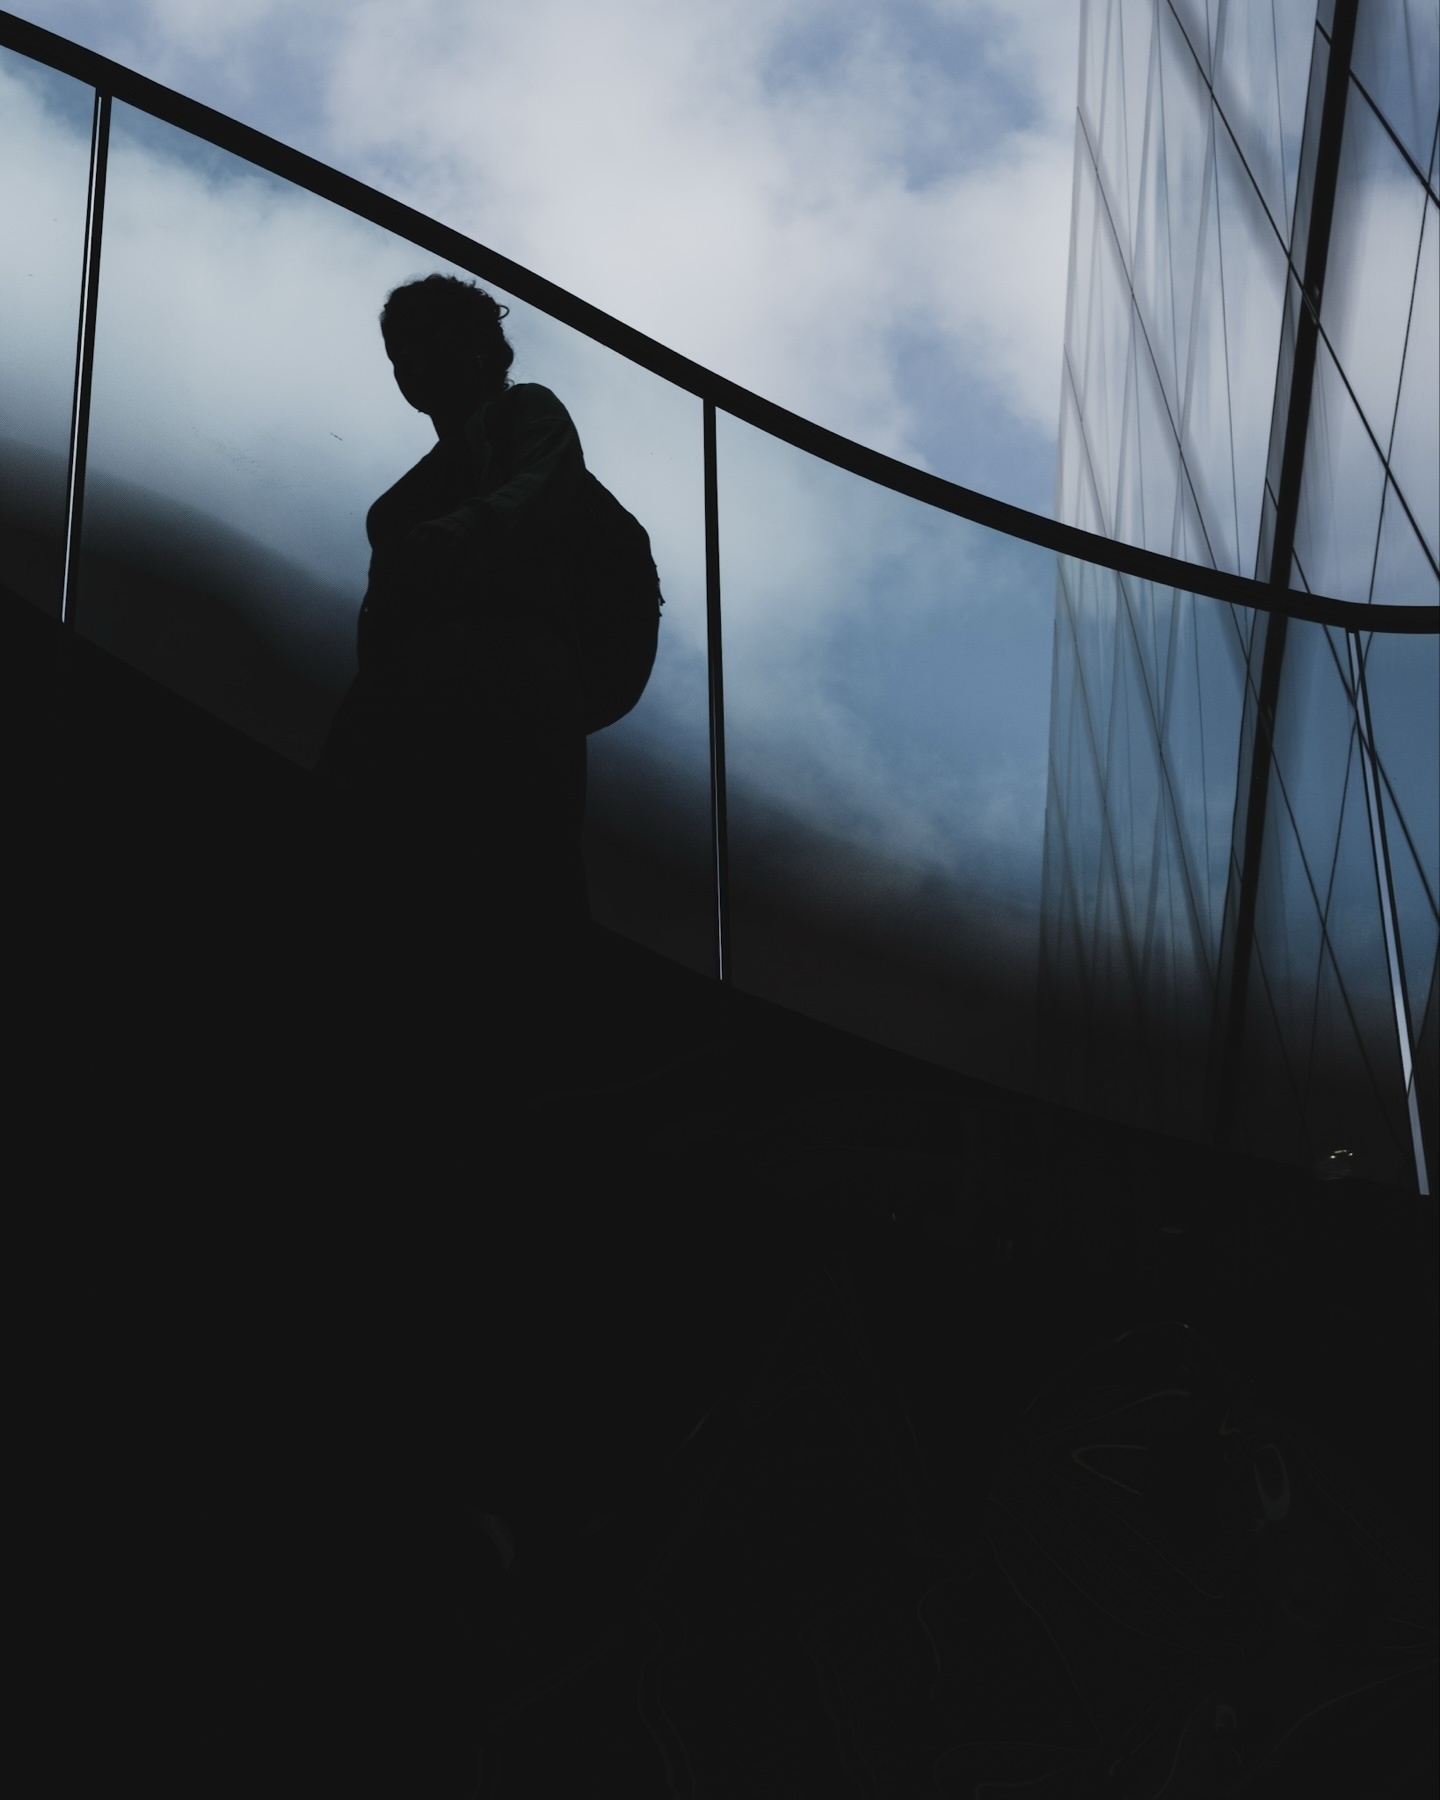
(981, 793)
(887, 702)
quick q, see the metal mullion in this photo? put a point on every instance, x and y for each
(719, 818)
(84, 356)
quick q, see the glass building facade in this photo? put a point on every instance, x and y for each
(1242, 854)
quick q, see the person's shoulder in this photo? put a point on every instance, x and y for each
(531, 396)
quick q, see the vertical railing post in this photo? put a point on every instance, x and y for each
(719, 830)
(85, 356)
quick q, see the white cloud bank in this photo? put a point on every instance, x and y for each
(861, 213)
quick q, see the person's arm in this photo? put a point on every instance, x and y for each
(547, 466)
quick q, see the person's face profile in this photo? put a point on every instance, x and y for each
(419, 367)
(433, 368)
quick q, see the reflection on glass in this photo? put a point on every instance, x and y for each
(1247, 91)
(1415, 447)
(1109, 142)
(1105, 359)
(1396, 57)
(887, 697)
(1144, 746)
(1253, 268)
(1197, 28)
(1157, 453)
(1135, 28)
(1083, 224)
(1205, 432)
(1189, 120)
(1369, 279)
(1404, 573)
(45, 121)
(1338, 521)
(1151, 266)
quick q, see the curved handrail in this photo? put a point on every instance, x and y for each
(404, 221)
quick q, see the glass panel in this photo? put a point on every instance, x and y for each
(1284, 378)
(1427, 1071)
(1159, 453)
(1347, 1037)
(1204, 691)
(1370, 273)
(245, 418)
(1294, 37)
(1139, 844)
(45, 123)
(648, 855)
(1065, 892)
(1314, 755)
(1247, 91)
(1132, 779)
(1402, 679)
(1159, 679)
(887, 683)
(1190, 542)
(1253, 265)
(1080, 298)
(1415, 918)
(1150, 268)
(1415, 447)
(1093, 602)
(1195, 24)
(1288, 948)
(1331, 993)
(1110, 145)
(1404, 574)
(1397, 58)
(1094, 29)
(1187, 120)
(1069, 452)
(1340, 492)
(1357, 1057)
(1136, 27)
(1309, 149)
(1104, 400)
(1205, 422)
(1129, 497)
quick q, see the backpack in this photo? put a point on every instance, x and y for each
(616, 602)
(611, 589)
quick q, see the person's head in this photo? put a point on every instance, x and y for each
(445, 341)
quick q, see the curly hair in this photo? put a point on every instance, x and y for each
(449, 304)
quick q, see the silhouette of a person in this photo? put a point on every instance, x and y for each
(456, 764)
